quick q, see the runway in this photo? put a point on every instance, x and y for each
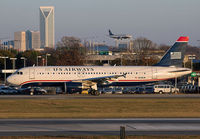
(136, 126)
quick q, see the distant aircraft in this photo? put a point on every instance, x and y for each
(91, 77)
(119, 36)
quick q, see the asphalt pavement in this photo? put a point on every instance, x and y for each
(136, 126)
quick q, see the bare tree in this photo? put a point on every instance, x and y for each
(143, 48)
(143, 45)
(164, 47)
(69, 42)
(69, 51)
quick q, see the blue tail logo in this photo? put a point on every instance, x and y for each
(175, 55)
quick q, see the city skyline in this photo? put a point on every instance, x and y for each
(160, 21)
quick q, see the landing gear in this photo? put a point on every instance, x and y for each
(92, 88)
(94, 92)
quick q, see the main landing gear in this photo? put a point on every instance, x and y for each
(94, 92)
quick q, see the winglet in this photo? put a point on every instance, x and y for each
(183, 39)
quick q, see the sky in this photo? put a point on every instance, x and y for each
(161, 21)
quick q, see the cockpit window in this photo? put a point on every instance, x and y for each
(20, 73)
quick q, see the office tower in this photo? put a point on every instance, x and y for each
(47, 26)
(32, 40)
(20, 41)
(7, 45)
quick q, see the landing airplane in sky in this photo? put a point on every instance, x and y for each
(119, 36)
(91, 77)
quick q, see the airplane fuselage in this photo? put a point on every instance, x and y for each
(121, 36)
(59, 74)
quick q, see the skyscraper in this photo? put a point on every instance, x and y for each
(47, 26)
(32, 40)
(20, 41)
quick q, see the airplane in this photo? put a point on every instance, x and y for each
(119, 36)
(92, 77)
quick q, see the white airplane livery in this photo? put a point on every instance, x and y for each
(93, 76)
(119, 36)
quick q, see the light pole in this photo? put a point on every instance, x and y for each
(46, 57)
(38, 59)
(121, 59)
(4, 67)
(23, 58)
(191, 57)
(13, 59)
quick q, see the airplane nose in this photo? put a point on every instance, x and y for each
(9, 80)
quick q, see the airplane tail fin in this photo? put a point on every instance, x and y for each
(175, 55)
(110, 33)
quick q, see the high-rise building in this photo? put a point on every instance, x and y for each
(47, 26)
(20, 40)
(7, 45)
(32, 40)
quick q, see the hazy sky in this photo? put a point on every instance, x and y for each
(161, 21)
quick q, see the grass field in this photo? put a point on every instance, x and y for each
(99, 108)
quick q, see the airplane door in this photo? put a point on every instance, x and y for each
(154, 72)
(32, 73)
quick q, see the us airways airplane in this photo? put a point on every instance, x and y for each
(91, 77)
(119, 36)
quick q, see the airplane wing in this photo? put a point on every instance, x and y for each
(99, 80)
(104, 78)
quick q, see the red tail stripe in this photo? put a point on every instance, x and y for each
(183, 39)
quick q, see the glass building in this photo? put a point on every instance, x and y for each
(32, 40)
(47, 26)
